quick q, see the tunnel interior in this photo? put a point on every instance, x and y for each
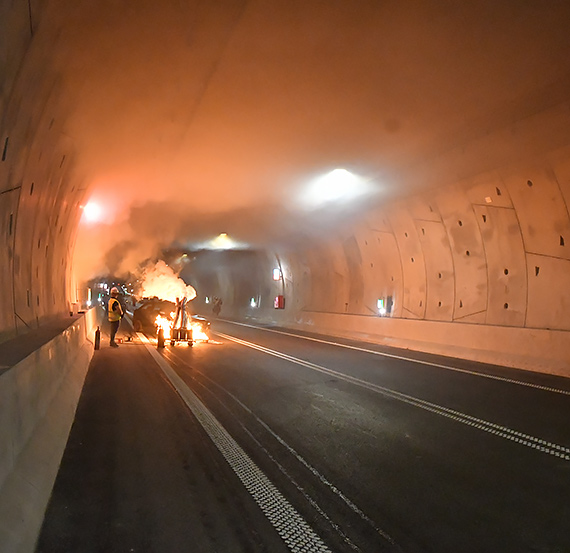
(187, 122)
(396, 173)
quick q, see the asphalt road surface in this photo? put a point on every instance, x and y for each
(265, 440)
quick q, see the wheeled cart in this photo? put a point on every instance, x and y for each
(181, 330)
(181, 335)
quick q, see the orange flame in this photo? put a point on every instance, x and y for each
(166, 325)
(198, 334)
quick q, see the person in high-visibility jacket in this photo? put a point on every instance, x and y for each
(115, 315)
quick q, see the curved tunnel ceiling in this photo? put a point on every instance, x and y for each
(191, 119)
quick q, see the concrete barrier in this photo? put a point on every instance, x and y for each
(38, 399)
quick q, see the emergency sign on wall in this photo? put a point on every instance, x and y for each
(279, 302)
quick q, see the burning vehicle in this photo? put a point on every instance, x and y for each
(145, 314)
(174, 319)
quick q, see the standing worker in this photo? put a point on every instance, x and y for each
(116, 313)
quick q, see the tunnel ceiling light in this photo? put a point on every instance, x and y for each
(92, 213)
(222, 242)
(336, 186)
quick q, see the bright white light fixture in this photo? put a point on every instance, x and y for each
(276, 274)
(92, 212)
(252, 302)
(337, 185)
(221, 242)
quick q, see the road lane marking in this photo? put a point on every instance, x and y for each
(355, 509)
(295, 532)
(412, 360)
(284, 471)
(527, 440)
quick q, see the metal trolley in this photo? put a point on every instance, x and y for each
(181, 330)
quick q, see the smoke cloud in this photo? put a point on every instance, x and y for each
(161, 281)
(194, 118)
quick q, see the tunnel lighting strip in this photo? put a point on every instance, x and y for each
(411, 359)
(539, 444)
(295, 532)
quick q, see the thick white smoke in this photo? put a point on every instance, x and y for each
(161, 281)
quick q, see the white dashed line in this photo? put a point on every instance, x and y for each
(502, 431)
(293, 529)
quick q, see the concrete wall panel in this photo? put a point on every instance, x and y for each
(412, 261)
(506, 265)
(423, 208)
(468, 254)
(329, 281)
(355, 277)
(8, 221)
(320, 266)
(382, 270)
(439, 269)
(381, 253)
(560, 164)
(541, 210)
(548, 293)
(488, 189)
(297, 281)
(339, 300)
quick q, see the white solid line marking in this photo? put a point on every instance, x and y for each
(411, 359)
(297, 534)
(486, 426)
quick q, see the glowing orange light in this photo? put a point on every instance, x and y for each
(164, 324)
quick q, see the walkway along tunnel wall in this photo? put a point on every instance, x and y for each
(38, 399)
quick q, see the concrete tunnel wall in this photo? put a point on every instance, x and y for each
(39, 214)
(39, 195)
(479, 269)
